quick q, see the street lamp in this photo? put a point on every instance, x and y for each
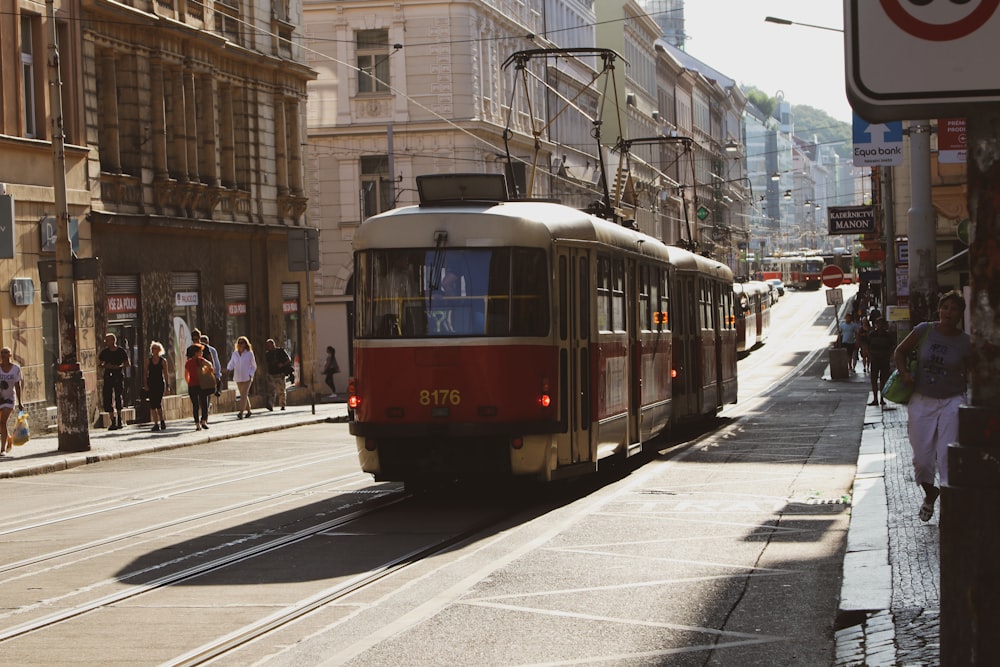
(780, 21)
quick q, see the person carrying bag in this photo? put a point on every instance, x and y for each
(944, 357)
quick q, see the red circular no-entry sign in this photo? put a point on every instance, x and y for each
(832, 275)
(961, 26)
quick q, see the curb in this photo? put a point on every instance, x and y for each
(66, 461)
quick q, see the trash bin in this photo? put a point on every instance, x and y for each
(838, 363)
(142, 413)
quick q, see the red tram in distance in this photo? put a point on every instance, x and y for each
(800, 272)
(498, 338)
(753, 314)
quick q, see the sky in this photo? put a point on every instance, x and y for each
(806, 64)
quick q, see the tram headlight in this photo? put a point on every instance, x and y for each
(517, 442)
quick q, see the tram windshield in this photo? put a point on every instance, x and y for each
(448, 292)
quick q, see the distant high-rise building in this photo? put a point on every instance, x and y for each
(670, 15)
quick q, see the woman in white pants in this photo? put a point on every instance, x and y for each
(943, 359)
(243, 365)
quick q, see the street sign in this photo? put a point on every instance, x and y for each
(702, 212)
(876, 255)
(832, 275)
(834, 297)
(7, 238)
(920, 59)
(877, 144)
(303, 249)
(952, 141)
(850, 220)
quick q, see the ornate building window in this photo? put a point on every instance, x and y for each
(227, 20)
(30, 101)
(373, 61)
(376, 185)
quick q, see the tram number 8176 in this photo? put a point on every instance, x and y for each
(440, 397)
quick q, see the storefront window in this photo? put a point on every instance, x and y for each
(122, 308)
(292, 339)
(237, 322)
(186, 288)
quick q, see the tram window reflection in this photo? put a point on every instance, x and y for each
(455, 292)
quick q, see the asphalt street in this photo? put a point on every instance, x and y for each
(887, 574)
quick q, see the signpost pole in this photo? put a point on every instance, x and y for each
(970, 502)
(71, 391)
(921, 229)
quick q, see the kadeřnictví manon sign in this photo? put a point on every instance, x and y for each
(851, 219)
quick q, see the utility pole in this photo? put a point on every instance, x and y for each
(71, 396)
(921, 228)
(970, 502)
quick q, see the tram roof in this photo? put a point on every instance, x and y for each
(522, 223)
(751, 287)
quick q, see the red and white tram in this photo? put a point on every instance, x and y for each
(753, 314)
(526, 338)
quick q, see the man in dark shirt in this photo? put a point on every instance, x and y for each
(881, 344)
(114, 360)
(279, 365)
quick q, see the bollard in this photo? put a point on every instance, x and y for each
(970, 544)
(839, 359)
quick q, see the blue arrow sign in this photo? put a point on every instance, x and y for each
(877, 144)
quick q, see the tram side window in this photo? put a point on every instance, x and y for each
(604, 293)
(618, 295)
(529, 292)
(563, 298)
(645, 311)
(664, 283)
(729, 319)
(707, 307)
(584, 292)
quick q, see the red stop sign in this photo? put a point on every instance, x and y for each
(832, 275)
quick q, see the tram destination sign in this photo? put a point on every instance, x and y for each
(851, 220)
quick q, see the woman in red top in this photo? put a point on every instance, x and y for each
(193, 370)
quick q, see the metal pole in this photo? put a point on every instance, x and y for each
(312, 322)
(889, 207)
(922, 250)
(71, 396)
(970, 502)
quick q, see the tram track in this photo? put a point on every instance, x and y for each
(192, 572)
(180, 521)
(455, 531)
(250, 633)
(166, 492)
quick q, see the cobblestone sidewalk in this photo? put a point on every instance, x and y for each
(907, 633)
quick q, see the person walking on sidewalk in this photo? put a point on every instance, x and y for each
(212, 355)
(10, 391)
(114, 361)
(848, 339)
(943, 361)
(330, 369)
(880, 345)
(156, 382)
(196, 367)
(279, 366)
(243, 365)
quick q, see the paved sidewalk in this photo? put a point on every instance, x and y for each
(41, 453)
(890, 598)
